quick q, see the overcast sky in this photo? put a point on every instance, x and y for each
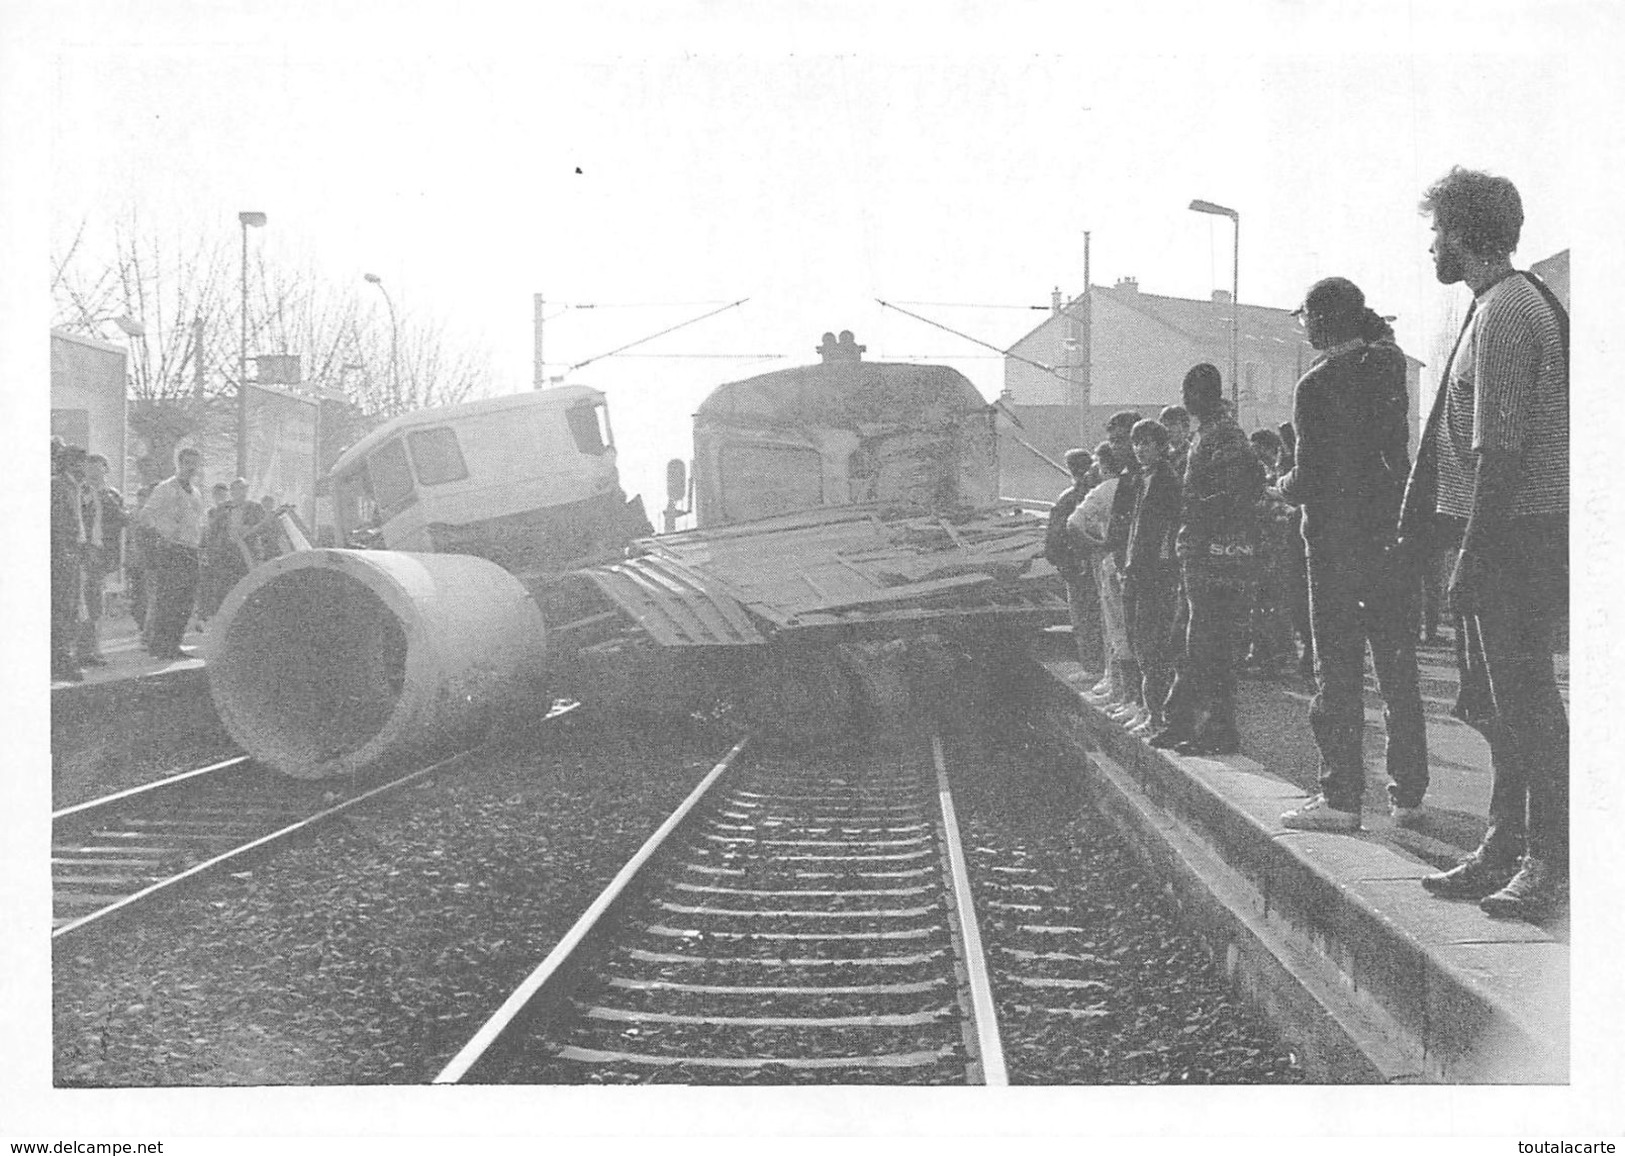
(809, 156)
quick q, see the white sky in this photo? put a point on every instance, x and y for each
(810, 183)
(809, 156)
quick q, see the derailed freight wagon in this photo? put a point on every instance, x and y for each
(843, 509)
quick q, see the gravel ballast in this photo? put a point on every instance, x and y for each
(1116, 991)
(370, 952)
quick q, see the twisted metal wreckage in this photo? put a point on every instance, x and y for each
(848, 526)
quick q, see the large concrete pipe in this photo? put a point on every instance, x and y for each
(324, 662)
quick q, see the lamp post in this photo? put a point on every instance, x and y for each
(257, 220)
(394, 364)
(1235, 296)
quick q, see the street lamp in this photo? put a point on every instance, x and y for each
(257, 220)
(1235, 296)
(394, 364)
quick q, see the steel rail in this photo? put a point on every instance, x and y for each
(984, 1015)
(145, 788)
(197, 870)
(191, 874)
(535, 988)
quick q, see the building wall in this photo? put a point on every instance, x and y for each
(1137, 361)
(87, 398)
(1046, 345)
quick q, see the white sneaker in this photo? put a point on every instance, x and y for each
(1319, 815)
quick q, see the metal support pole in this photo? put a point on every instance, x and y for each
(197, 358)
(394, 332)
(242, 365)
(1235, 316)
(539, 374)
(257, 220)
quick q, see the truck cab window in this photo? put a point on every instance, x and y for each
(436, 456)
(589, 426)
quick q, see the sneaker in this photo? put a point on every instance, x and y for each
(1537, 891)
(1210, 744)
(1475, 877)
(1133, 718)
(1411, 818)
(1169, 737)
(1319, 815)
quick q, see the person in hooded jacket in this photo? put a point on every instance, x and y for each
(1350, 417)
(1218, 549)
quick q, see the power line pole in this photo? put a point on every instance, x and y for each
(539, 373)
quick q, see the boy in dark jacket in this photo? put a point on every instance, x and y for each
(1151, 576)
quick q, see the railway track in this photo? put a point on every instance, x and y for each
(796, 920)
(111, 855)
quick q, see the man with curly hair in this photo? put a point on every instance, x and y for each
(1496, 453)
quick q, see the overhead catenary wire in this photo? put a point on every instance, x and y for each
(715, 356)
(975, 305)
(662, 333)
(1039, 365)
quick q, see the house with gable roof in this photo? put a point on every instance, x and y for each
(1119, 348)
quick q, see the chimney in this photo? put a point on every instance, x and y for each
(1127, 284)
(1221, 297)
(1055, 300)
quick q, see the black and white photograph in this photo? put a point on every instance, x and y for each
(722, 573)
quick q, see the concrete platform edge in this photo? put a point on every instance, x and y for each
(1367, 997)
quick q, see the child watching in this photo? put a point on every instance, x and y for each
(1151, 579)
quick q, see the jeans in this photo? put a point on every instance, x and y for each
(1149, 605)
(1207, 679)
(1523, 595)
(1081, 605)
(1111, 609)
(1359, 596)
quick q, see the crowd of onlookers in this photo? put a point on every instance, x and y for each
(1191, 552)
(179, 555)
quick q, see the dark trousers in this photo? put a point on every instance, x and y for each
(1359, 597)
(175, 578)
(140, 593)
(1297, 591)
(1150, 605)
(65, 578)
(1206, 681)
(1524, 595)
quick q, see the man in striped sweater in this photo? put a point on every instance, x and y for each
(1496, 453)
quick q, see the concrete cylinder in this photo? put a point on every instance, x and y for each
(325, 662)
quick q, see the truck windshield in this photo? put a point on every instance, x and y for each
(391, 477)
(589, 425)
